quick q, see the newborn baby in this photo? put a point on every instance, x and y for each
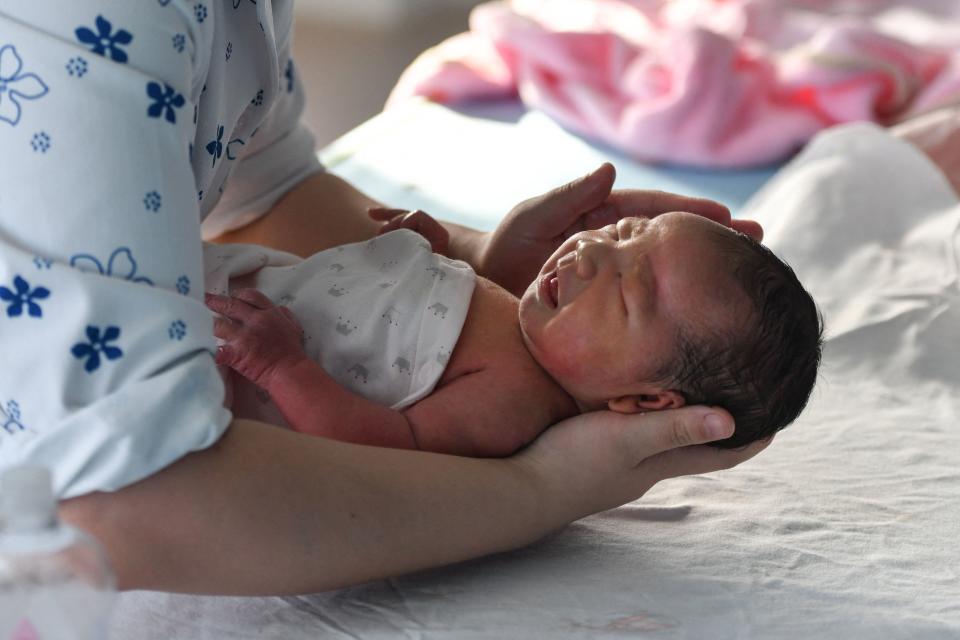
(642, 315)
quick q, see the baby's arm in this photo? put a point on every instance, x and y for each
(477, 414)
(485, 413)
(264, 344)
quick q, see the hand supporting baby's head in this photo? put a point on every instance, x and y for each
(653, 314)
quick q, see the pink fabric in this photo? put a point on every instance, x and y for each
(717, 83)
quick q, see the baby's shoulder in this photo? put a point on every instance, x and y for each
(491, 337)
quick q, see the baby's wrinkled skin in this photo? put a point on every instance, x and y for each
(590, 332)
(602, 316)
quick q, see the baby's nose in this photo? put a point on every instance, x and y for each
(591, 255)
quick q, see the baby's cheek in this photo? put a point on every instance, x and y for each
(572, 361)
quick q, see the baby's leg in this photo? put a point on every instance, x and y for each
(937, 134)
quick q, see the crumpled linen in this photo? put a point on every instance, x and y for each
(846, 527)
(714, 83)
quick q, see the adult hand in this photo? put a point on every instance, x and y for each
(600, 460)
(532, 231)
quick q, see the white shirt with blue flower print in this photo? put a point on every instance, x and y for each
(128, 129)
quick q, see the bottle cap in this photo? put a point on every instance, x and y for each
(27, 502)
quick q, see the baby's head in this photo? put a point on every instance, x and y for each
(655, 314)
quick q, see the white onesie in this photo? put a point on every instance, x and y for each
(381, 316)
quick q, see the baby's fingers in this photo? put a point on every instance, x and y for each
(254, 298)
(424, 224)
(229, 307)
(383, 214)
(393, 225)
(225, 328)
(227, 355)
(292, 318)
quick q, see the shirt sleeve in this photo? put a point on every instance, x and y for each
(280, 153)
(107, 372)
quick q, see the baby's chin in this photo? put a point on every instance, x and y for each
(528, 297)
(527, 301)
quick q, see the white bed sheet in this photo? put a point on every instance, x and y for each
(848, 527)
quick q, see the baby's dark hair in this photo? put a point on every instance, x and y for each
(763, 372)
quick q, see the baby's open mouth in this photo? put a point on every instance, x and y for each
(550, 289)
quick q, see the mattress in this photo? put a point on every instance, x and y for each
(847, 527)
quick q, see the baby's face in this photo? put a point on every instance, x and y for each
(604, 313)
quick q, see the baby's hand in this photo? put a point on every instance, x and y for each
(419, 221)
(260, 339)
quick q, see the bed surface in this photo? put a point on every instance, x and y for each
(848, 527)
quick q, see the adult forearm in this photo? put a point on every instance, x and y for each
(322, 211)
(269, 511)
(325, 211)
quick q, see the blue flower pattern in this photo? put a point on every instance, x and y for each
(215, 147)
(23, 296)
(177, 330)
(12, 422)
(77, 67)
(120, 265)
(16, 85)
(152, 201)
(289, 75)
(232, 143)
(97, 344)
(166, 99)
(40, 142)
(106, 42)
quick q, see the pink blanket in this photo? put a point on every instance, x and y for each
(716, 83)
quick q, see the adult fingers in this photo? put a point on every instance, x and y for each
(648, 203)
(701, 459)
(563, 206)
(254, 298)
(601, 216)
(750, 227)
(662, 431)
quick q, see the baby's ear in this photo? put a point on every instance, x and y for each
(656, 401)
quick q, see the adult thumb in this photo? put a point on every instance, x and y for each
(675, 428)
(563, 205)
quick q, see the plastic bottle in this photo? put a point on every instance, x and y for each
(55, 582)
